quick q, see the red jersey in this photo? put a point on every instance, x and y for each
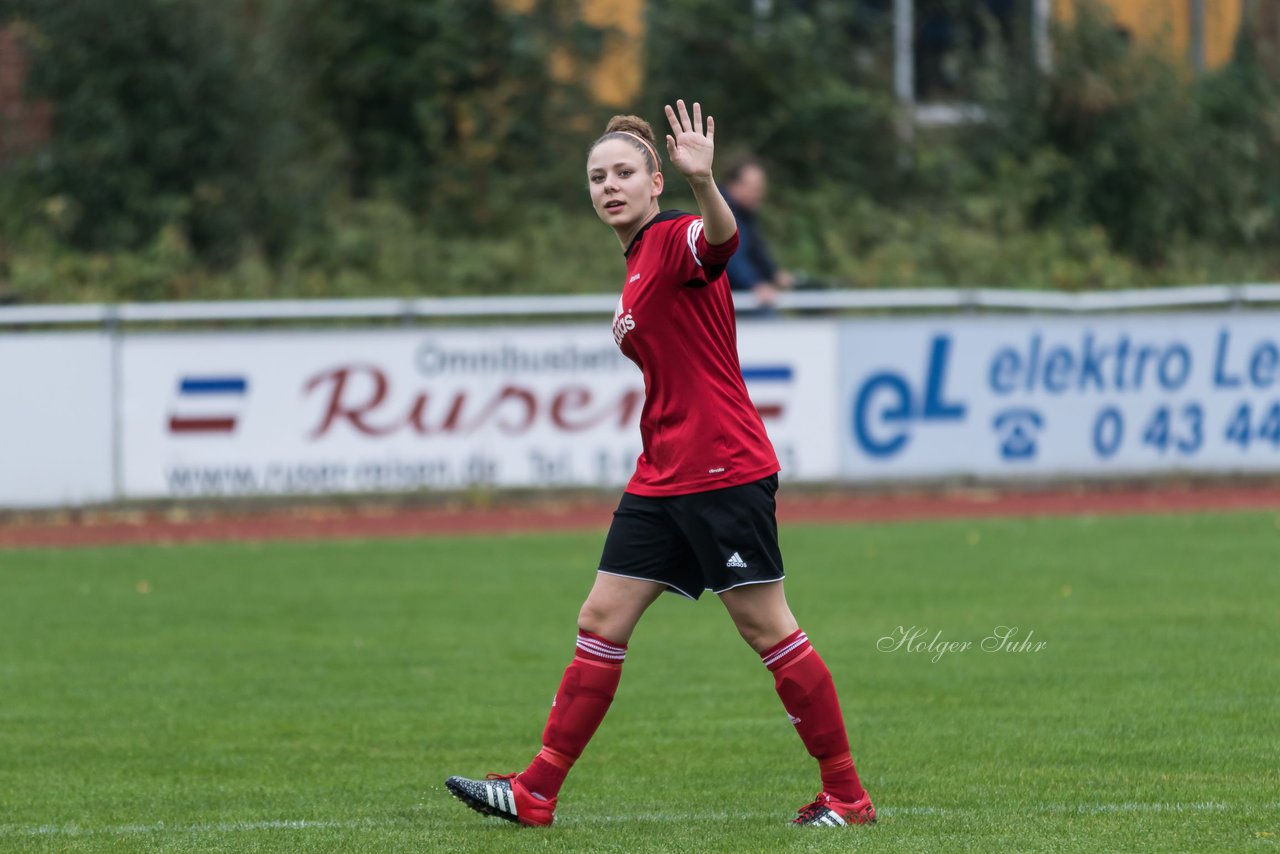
(676, 321)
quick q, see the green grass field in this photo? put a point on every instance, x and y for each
(314, 697)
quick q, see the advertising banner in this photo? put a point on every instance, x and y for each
(55, 419)
(393, 410)
(1028, 396)
(318, 412)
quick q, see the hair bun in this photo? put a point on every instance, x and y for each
(632, 124)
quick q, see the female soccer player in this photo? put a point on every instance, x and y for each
(699, 512)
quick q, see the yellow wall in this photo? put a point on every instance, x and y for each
(1169, 21)
(615, 79)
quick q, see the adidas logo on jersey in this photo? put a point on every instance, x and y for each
(736, 561)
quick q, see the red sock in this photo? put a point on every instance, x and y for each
(585, 694)
(809, 696)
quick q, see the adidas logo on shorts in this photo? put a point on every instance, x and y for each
(736, 561)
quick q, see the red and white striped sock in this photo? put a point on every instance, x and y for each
(804, 684)
(586, 691)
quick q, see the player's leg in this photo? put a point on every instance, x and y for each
(643, 556)
(586, 691)
(609, 615)
(735, 534)
(804, 685)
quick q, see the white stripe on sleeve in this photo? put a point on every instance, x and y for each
(695, 229)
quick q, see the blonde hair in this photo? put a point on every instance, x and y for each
(638, 133)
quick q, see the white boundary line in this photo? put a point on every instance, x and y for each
(71, 830)
(217, 827)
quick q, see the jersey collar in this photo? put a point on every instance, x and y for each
(663, 216)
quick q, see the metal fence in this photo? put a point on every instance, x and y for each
(803, 302)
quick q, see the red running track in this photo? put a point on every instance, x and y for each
(131, 527)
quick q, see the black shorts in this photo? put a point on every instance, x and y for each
(715, 540)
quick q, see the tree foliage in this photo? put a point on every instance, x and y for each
(449, 107)
(796, 84)
(327, 146)
(156, 122)
(1142, 149)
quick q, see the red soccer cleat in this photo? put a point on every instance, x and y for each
(504, 796)
(826, 811)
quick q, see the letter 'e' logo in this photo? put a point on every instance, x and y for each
(886, 406)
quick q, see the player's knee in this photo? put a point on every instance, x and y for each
(758, 634)
(591, 617)
(603, 621)
(763, 630)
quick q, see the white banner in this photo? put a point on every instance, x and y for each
(1018, 396)
(55, 419)
(310, 412)
(385, 411)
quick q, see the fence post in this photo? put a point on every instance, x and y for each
(1196, 46)
(111, 323)
(1042, 48)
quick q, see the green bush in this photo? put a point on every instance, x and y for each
(157, 124)
(447, 107)
(376, 248)
(370, 248)
(309, 148)
(1144, 152)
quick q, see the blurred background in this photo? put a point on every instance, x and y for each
(177, 150)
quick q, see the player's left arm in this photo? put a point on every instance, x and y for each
(691, 150)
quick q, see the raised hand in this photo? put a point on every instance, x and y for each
(689, 148)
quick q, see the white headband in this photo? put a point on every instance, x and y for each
(645, 143)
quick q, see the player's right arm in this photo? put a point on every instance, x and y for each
(692, 150)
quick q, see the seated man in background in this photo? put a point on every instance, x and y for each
(752, 267)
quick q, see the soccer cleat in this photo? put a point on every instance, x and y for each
(826, 811)
(504, 796)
